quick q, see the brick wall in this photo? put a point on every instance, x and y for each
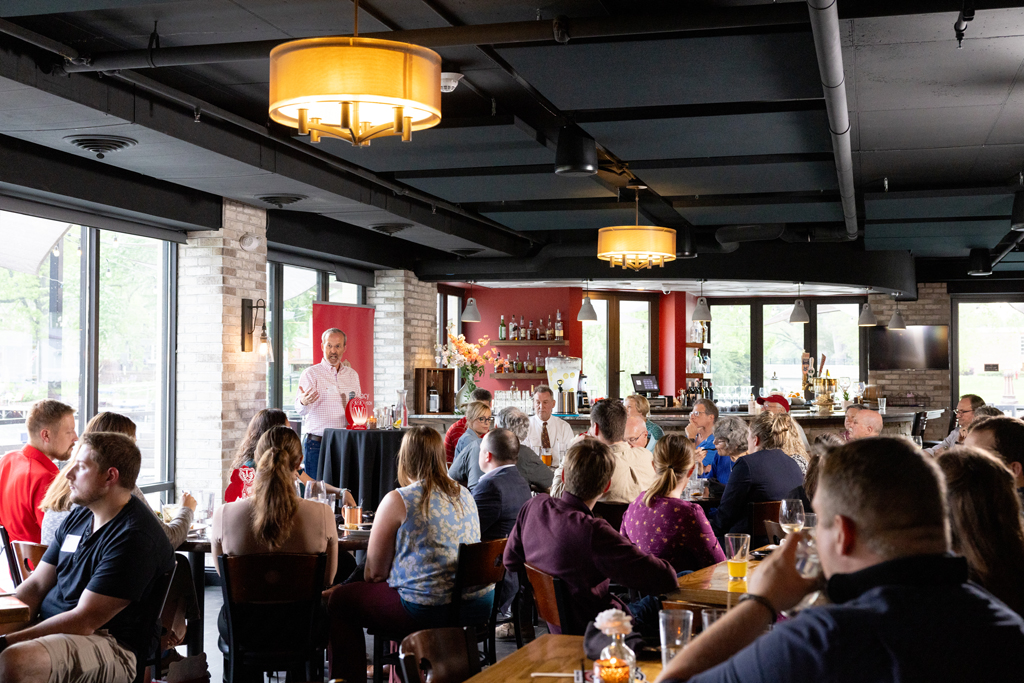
(932, 387)
(219, 388)
(404, 332)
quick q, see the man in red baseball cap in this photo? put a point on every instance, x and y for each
(776, 403)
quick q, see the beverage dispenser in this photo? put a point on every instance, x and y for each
(563, 378)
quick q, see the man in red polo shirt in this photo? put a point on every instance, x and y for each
(26, 474)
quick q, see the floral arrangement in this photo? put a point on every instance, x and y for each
(470, 359)
(614, 621)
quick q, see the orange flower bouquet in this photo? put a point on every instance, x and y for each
(470, 359)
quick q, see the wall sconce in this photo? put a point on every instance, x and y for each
(249, 313)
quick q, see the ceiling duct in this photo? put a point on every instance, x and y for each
(101, 145)
(390, 229)
(281, 200)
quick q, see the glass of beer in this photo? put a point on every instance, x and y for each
(737, 547)
(545, 456)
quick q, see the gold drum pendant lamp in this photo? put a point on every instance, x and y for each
(355, 89)
(636, 247)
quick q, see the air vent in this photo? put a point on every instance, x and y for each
(391, 228)
(101, 145)
(281, 200)
(463, 253)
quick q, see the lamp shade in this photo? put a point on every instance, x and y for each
(266, 350)
(980, 262)
(896, 321)
(636, 246)
(587, 311)
(701, 312)
(799, 314)
(867, 317)
(353, 88)
(472, 313)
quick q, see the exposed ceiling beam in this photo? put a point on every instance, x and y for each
(700, 109)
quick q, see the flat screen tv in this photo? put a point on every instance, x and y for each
(919, 347)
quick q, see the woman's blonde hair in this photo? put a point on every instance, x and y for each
(674, 455)
(275, 501)
(475, 410)
(777, 431)
(642, 405)
(58, 496)
(421, 458)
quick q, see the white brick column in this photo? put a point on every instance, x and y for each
(404, 332)
(219, 388)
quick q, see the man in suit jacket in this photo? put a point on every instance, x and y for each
(499, 494)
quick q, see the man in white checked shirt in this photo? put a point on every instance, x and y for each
(324, 389)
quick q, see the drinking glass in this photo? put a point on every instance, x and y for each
(675, 626)
(791, 515)
(315, 491)
(710, 615)
(332, 501)
(736, 548)
(810, 520)
(807, 561)
(353, 516)
(881, 405)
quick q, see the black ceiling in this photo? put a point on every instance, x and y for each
(726, 125)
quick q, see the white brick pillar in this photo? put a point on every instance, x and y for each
(219, 388)
(404, 332)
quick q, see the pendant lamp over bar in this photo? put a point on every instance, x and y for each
(701, 312)
(896, 322)
(471, 314)
(587, 312)
(799, 314)
(354, 89)
(636, 247)
(867, 317)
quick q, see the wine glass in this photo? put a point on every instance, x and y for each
(315, 490)
(844, 383)
(791, 515)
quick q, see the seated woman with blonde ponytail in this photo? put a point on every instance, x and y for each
(660, 523)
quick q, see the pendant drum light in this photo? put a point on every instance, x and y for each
(587, 311)
(636, 247)
(799, 314)
(701, 312)
(354, 89)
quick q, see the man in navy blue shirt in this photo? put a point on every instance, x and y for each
(902, 607)
(88, 591)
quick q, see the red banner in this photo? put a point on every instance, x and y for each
(357, 324)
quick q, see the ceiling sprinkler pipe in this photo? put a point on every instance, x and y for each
(825, 29)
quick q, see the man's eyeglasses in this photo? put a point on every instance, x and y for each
(695, 413)
(961, 413)
(633, 439)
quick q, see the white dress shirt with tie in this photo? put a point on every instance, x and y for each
(559, 432)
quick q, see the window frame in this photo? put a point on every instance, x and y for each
(612, 341)
(954, 332)
(811, 303)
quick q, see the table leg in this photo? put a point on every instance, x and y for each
(195, 636)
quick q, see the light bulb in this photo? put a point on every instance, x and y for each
(56, 251)
(263, 348)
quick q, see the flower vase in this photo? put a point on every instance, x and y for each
(462, 398)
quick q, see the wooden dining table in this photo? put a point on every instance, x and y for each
(712, 585)
(548, 654)
(13, 614)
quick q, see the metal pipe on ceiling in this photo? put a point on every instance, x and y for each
(825, 28)
(508, 33)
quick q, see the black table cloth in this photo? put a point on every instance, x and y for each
(364, 461)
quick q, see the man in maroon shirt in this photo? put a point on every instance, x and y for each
(26, 474)
(455, 432)
(563, 537)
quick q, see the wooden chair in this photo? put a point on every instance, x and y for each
(611, 513)
(552, 598)
(692, 607)
(181, 601)
(480, 564)
(759, 512)
(775, 531)
(12, 560)
(272, 603)
(439, 655)
(145, 635)
(28, 556)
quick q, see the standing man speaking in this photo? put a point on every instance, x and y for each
(324, 389)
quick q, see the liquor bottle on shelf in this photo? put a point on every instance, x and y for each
(522, 329)
(497, 364)
(529, 363)
(531, 333)
(550, 332)
(502, 330)
(711, 391)
(541, 362)
(513, 329)
(559, 331)
(695, 364)
(519, 363)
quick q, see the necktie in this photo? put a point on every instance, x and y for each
(545, 440)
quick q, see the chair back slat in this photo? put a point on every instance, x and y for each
(28, 556)
(479, 565)
(271, 578)
(439, 655)
(552, 598)
(12, 560)
(774, 531)
(759, 513)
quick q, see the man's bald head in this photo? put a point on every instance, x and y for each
(636, 432)
(866, 423)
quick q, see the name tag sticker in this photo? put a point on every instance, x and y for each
(70, 543)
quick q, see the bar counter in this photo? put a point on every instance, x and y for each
(896, 421)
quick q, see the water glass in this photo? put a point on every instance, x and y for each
(315, 490)
(881, 405)
(807, 561)
(675, 626)
(710, 615)
(791, 515)
(332, 502)
(736, 548)
(810, 520)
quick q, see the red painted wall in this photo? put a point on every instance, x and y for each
(533, 304)
(674, 310)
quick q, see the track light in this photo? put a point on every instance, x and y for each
(576, 154)
(980, 262)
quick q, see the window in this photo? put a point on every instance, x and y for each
(595, 351)
(839, 339)
(132, 326)
(730, 341)
(990, 346)
(342, 292)
(634, 341)
(40, 328)
(299, 293)
(783, 348)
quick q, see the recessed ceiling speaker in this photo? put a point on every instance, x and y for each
(980, 261)
(281, 200)
(1017, 215)
(576, 154)
(101, 145)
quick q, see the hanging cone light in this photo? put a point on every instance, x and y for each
(701, 312)
(799, 314)
(587, 312)
(896, 322)
(867, 317)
